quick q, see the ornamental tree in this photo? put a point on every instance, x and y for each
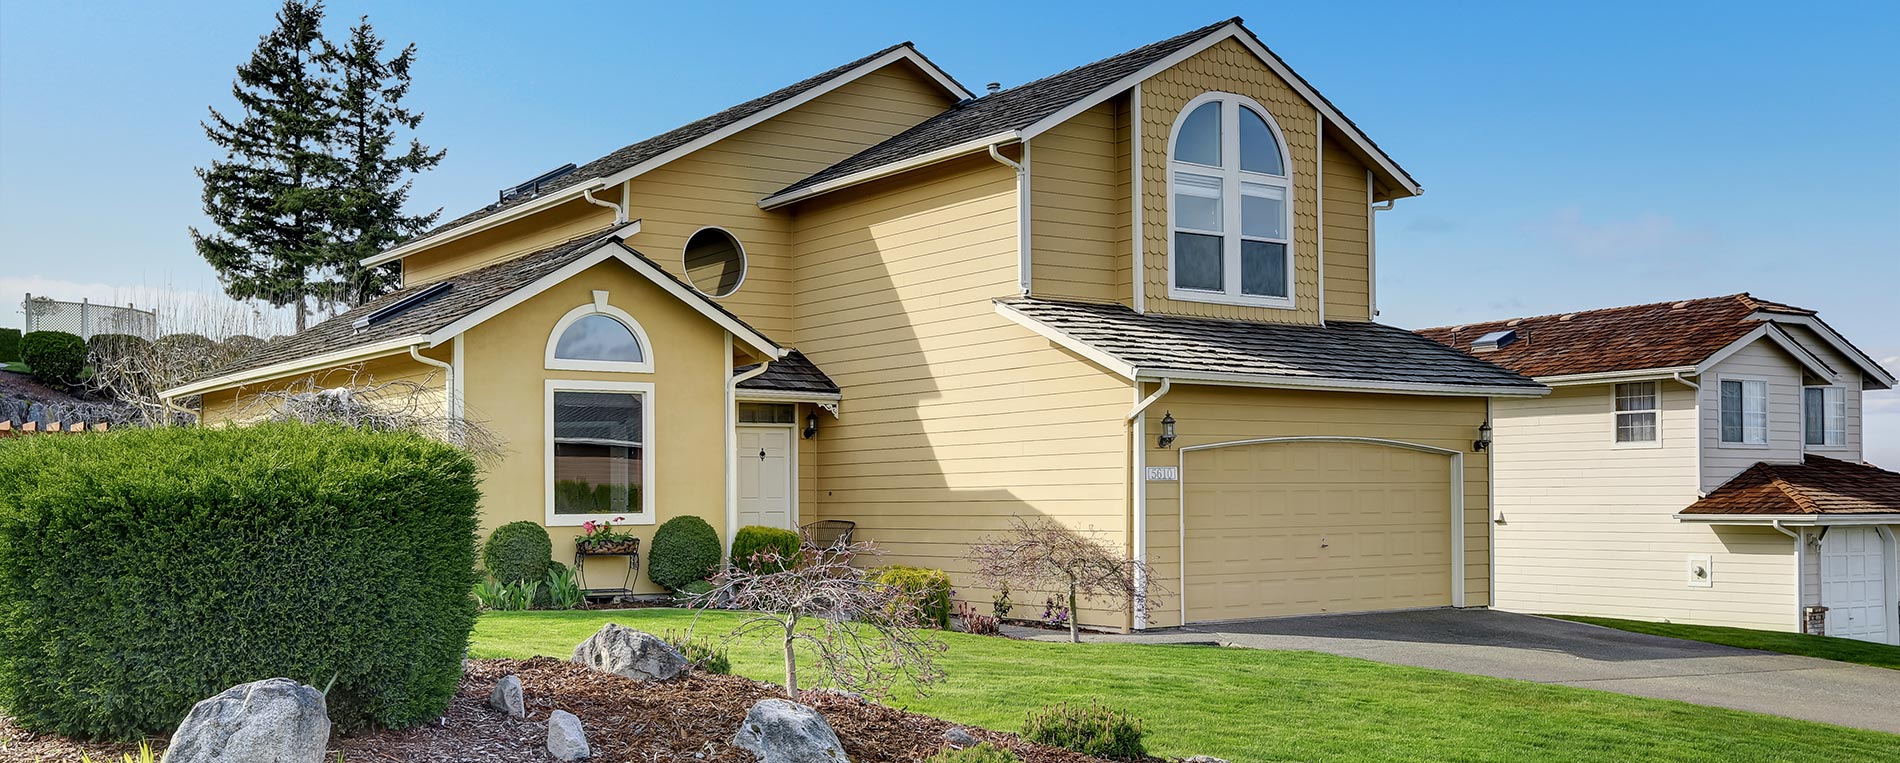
(1043, 555)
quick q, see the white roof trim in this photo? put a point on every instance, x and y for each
(1599, 377)
(1235, 31)
(786, 396)
(1791, 519)
(886, 170)
(1780, 338)
(1833, 338)
(902, 53)
(275, 370)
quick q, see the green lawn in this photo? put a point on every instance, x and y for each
(1843, 649)
(1248, 705)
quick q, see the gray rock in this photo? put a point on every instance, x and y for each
(507, 697)
(275, 720)
(959, 738)
(1204, 759)
(782, 731)
(565, 740)
(626, 652)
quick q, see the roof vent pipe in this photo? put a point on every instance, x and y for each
(993, 87)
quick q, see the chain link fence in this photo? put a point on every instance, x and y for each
(87, 319)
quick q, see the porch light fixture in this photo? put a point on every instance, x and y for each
(1484, 437)
(1167, 430)
(811, 425)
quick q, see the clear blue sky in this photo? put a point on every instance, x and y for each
(1576, 157)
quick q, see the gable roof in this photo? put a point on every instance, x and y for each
(793, 373)
(606, 171)
(1021, 112)
(1340, 355)
(1818, 486)
(443, 309)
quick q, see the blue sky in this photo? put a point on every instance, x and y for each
(1595, 155)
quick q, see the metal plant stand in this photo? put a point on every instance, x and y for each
(629, 549)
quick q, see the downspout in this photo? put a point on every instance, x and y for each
(1022, 212)
(1491, 500)
(732, 463)
(1372, 245)
(1699, 492)
(1319, 208)
(448, 382)
(620, 210)
(1800, 570)
(1138, 416)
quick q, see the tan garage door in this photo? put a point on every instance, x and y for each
(1289, 528)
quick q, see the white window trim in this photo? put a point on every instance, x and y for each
(1767, 425)
(1231, 221)
(1655, 442)
(1845, 418)
(599, 307)
(648, 453)
(744, 262)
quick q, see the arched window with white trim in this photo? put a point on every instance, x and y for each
(1230, 204)
(599, 337)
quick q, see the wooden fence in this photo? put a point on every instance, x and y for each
(33, 427)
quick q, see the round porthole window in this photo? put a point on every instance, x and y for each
(715, 263)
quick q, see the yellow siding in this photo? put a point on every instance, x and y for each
(1588, 528)
(1348, 235)
(1207, 414)
(955, 418)
(1079, 207)
(503, 242)
(396, 380)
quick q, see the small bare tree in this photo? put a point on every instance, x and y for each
(352, 397)
(866, 635)
(1043, 555)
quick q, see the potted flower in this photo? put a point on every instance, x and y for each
(602, 538)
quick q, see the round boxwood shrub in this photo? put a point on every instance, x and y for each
(929, 588)
(144, 570)
(55, 357)
(685, 549)
(752, 539)
(518, 551)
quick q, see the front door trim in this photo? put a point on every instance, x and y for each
(1457, 477)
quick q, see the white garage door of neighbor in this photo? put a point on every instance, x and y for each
(1854, 583)
(1300, 527)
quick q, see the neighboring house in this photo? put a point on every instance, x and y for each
(1697, 462)
(1136, 297)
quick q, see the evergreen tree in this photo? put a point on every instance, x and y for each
(267, 196)
(373, 183)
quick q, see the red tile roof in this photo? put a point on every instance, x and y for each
(1818, 486)
(1659, 335)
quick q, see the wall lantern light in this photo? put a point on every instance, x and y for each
(1484, 437)
(811, 425)
(1167, 430)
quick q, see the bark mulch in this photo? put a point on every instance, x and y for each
(690, 718)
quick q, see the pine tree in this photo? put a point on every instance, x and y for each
(267, 196)
(373, 183)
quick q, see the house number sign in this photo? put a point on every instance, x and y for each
(1164, 473)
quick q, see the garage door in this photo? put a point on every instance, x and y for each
(1304, 527)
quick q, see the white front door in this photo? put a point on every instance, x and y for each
(765, 477)
(1854, 583)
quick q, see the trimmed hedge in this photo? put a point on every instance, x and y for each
(752, 539)
(56, 357)
(144, 570)
(929, 588)
(518, 552)
(685, 549)
(9, 345)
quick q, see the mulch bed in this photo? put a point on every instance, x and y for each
(690, 718)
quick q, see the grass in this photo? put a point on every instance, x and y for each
(1824, 647)
(1251, 705)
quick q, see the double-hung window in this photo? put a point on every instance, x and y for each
(1637, 408)
(1744, 412)
(1230, 205)
(599, 457)
(1824, 416)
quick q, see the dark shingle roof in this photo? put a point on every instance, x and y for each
(792, 373)
(1817, 486)
(1351, 352)
(1659, 335)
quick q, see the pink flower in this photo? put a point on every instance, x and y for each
(620, 519)
(588, 526)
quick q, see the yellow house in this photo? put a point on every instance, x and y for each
(1136, 297)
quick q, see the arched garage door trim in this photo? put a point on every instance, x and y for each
(1456, 475)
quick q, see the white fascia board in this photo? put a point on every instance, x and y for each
(786, 396)
(874, 173)
(1096, 355)
(1604, 377)
(1337, 385)
(554, 198)
(1834, 339)
(1234, 31)
(1790, 519)
(1781, 339)
(287, 367)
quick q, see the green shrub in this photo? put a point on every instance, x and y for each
(518, 552)
(982, 753)
(929, 588)
(701, 653)
(147, 569)
(56, 357)
(755, 538)
(685, 549)
(9, 345)
(1091, 729)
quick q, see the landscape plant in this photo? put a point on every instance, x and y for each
(751, 539)
(9, 345)
(602, 535)
(1043, 555)
(928, 589)
(685, 549)
(56, 357)
(518, 552)
(977, 622)
(979, 753)
(700, 652)
(1091, 729)
(564, 588)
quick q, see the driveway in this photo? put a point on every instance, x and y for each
(1539, 649)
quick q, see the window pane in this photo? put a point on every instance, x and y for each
(1731, 411)
(1755, 412)
(597, 452)
(1262, 269)
(766, 413)
(1197, 202)
(599, 337)
(1636, 427)
(1199, 139)
(1197, 262)
(1836, 416)
(1636, 396)
(1813, 415)
(1259, 152)
(1262, 211)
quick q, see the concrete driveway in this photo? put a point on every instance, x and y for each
(1539, 649)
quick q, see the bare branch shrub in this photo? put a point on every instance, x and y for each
(197, 335)
(1043, 555)
(865, 635)
(353, 397)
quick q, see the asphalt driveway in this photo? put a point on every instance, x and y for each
(1539, 649)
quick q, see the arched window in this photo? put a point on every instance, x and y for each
(1230, 209)
(599, 337)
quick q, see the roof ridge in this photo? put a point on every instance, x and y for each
(1587, 311)
(1794, 494)
(1200, 32)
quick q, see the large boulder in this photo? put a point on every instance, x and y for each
(565, 740)
(782, 731)
(624, 651)
(507, 697)
(275, 720)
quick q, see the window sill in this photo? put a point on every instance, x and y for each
(1217, 298)
(1743, 445)
(1828, 447)
(576, 520)
(1643, 445)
